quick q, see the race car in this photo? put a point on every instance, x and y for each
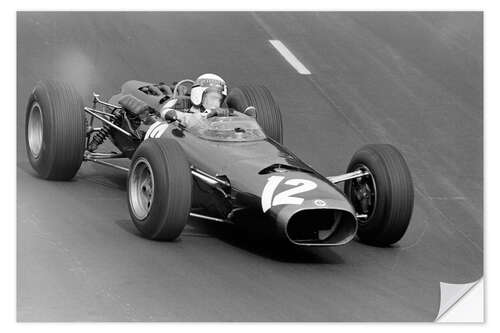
(228, 169)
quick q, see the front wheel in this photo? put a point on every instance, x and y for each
(268, 114)
(383, 198)
(159, 189)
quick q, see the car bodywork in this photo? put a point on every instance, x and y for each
(239, 172)
(263, 177)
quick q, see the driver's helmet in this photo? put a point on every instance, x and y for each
(207, 82)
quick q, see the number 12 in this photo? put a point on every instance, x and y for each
(285, 197)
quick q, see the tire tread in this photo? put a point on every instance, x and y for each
(394, 180)
(169, 216)
(64, 130)
(268, 112)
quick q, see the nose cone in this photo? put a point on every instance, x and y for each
(316, 222)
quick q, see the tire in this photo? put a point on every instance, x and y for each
(391, 194)
(268, 111)
(168, 191)
(55, 130)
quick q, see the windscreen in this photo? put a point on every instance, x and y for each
(237, 127)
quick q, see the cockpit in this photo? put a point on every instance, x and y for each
(237, 128)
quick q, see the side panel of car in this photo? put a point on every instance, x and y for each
(261, 173)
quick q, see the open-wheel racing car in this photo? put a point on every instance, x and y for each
(225, 169)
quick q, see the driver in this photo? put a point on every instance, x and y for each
(207, 95)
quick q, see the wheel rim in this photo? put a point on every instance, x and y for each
(363, 194)
(141, 188)
(35, 130)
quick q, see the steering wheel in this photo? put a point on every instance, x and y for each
(179, 84)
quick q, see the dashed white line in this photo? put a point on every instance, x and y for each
(288, 55)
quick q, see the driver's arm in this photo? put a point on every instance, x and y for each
(184, 118)
(168, 112)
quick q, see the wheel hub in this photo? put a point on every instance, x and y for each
(141, 188)
(35, 130)
(363, 194)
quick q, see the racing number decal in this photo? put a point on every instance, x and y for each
(156, 130)
(267, 193)
(285, 197)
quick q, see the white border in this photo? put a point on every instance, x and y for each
(492, 186)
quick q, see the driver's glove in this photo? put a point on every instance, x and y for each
(169, 114)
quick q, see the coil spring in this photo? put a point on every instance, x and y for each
(99, 137)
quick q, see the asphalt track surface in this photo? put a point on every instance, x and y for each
(413, 80)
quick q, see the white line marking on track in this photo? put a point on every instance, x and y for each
(288, 55)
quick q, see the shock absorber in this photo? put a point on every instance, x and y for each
(99, 137)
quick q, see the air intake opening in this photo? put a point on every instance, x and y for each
(321, 227)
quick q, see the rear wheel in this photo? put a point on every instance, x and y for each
(159, 189)
(383, 199)
(268, 113)
(55, 130)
